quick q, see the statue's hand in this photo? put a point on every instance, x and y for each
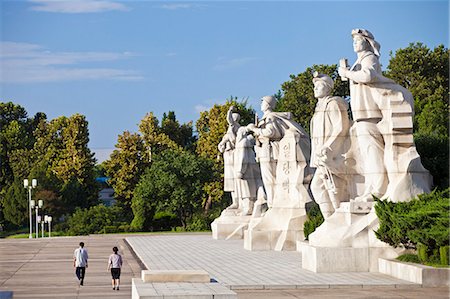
(231, 108)
(324, 155)
(343, 71)
(239, 175)
(251, 127)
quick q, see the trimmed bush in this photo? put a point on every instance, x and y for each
(444, 255)
(315, 219)
(424, 220)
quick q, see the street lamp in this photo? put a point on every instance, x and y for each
(41, 219)
(49, 220)
(37, 206)
(29, 187)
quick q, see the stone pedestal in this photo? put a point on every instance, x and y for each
(342, 259)
(279, 229)
(346, 242)
(230, 225)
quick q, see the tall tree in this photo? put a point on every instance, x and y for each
(174, 182)
(125, 167)
(424, 72)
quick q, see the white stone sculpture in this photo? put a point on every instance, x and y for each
(283, 151)
(383, 112)
(329, 143)
(385, 155)
(226, 146)
(248, 182)
(244, 179)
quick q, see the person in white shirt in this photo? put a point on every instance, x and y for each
(80, 262)
(115, 264)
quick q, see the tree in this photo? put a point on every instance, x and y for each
(125, 167)
(15, 204)
(154, 140)
(16, 142)
(174, 182)
(424, 72)
(297, 94)
(181, 134)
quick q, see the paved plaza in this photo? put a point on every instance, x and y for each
(43, 269)
(230, 264)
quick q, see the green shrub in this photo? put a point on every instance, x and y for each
(424, 220)
(444, 255)
(422, 252)
(315, 219)
(95, 220)
(409, 258)
(434, 154)
(164, 221)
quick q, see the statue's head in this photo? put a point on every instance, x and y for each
(236, 117)
(323, 85)
(268, 102)
(363, 40)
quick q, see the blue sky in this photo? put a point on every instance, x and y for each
(114, 61)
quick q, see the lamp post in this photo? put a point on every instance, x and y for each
(49, 219)
(29, 187)
(38, 206)
(41, 218)
(45, 220)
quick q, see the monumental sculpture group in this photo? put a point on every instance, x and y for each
(273, 167)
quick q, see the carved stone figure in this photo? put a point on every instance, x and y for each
(248, 182)
(227, 146)
(386, 158)
(283, 151)
(383, 111)
(329, 142)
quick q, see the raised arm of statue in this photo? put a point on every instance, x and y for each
(230, 120)
(367, 72)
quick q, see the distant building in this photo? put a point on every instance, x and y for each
(106, 194)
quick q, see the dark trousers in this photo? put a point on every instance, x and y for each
(80, 273)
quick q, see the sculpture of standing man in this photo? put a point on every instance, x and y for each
(227, 146)
(383, 111)
(329, 141)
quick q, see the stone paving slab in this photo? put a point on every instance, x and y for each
(233, 266)
(181, 290)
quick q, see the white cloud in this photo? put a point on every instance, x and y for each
(76, 6)
(226, 64)
(201, 108)
(22, 62)
(176, 6)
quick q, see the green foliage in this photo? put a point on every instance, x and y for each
(422, 223)
(444, 255)
(164, 221)
(422, 252)
(434, 154)
(125, 167)
(174, 183)
(409, 258)
(298, 93)
(15, 204)
(315, 219)
(424, 72)
(95, 220)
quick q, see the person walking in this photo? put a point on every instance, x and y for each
(80, 262)
(115, 264)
